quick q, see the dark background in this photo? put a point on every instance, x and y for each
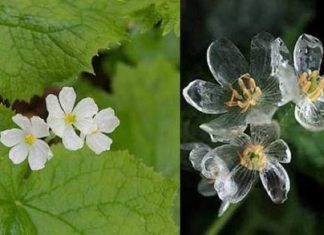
(202, 21)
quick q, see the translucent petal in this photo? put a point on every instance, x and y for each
(265, 134)
(223, 207)
(71, 140)
(225, 61)
(205, 96)
(196, 155)
(67, 98)
(53, 106)
(18, 153)
(262, 113)
(98, 142)
(12, 137)
(39, 127)
(308, 54)
(226, 126)
(106, 120)
(241, 140)
(276, 181)
(236, 185)
(206, 187)
(86, 108)
(57, 125)
(271, 93)
(23, 122)
(278, 150)
(260, 65)
(310, 115)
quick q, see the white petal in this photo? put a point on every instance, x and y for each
(223, 207)
(98, 142)
(12, 137)
(279, 150)
(67, 98)
(53, 107)
(308, 53)
(23, 122)
(196, 155)
(206, 187)
(85, 125)
(57, 125)
(106, 120)
(40, 128)
(38, 155)
(205, 96)
(265, 134)
(276, 181)
(86, 108)
(71, 140)
(44, 147)
(18, 153)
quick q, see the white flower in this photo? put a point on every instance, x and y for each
(105, 122)
(26, 142)
(63, 117)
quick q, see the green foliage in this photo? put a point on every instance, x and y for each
(82, 193)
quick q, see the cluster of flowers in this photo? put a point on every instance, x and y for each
(248, 97)
(73, 123)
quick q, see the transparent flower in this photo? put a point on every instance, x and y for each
(63, 117)
(26, 142)
(105, 122)
(245, 94)
(246, 157)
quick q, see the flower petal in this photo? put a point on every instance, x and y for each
(310, 115)
(308, 54)
(263, 113)
(23, 122)
(57, 125)
(53, 106)
(39, 127)
(38, 155)
(223, 207)
(12, 137)
(18, 153)
(236, 185)
(85, 125)
(265, 134)
(279, 150)
(86, 108)
(98, 142)
(260, 66)
(271, 93)
(67, 98)
(276, 181)
(71, 140)
(206, 187)
(106, 120)
(205, 96)
(226, 62)
(241, 140)
(196, 155)
(44, 147)
(226, 126)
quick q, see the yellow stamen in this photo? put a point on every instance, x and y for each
(70, 119)
(250, 93)
(253, 157)
(30, 139)
(312, 85)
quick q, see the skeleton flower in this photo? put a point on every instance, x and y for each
(105, 122)
(26, 142)
(63, 117)
(245, 158)
(244, 95)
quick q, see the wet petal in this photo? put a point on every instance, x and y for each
(106, 120)
(236, 185)
(206, 187)
(206, 97)
(39, 127)
(279, 150)
(271, 93)
(265, 134)
(85, 125)
(226, 62)
(260, 66)
(22, 121)
(12, 137)
(263, 113)
(67, 98)
(223, 207)
(241, 140)
(86, 108)
(53, 106)
(276, 181)
(57, 125)
(38, 155)
(226, 126)
(198, 151)
(18, 153)
(98, 142)
(71, 140)
(310, 115)
(308, 54)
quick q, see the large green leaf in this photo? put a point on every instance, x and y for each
(53, 40)
(80, 193)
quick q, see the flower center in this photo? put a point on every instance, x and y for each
(30, 139)
(312, 84)
(253, 157)
(70, 118)
(248, 95)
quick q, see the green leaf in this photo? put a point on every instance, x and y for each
(50, 41)
(80, 193)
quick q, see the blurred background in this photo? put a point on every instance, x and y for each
(202, 21)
